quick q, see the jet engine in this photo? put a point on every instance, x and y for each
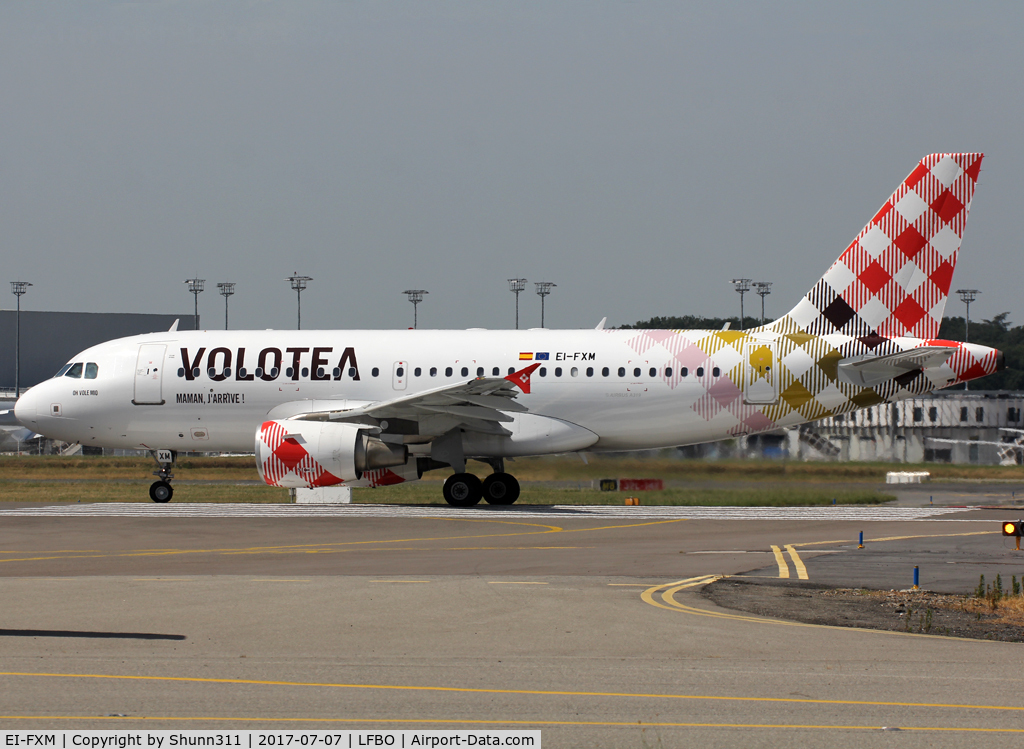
(304, 454)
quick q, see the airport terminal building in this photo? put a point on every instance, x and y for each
(982, 427)
(949, 426)
(47, 341)
(50, 339)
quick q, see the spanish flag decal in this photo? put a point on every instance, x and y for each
(526, 356)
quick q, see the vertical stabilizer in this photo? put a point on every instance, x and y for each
(894, 278)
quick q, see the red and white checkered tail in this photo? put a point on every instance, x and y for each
(894, 278)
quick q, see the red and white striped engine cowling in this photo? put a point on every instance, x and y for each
(304, 454)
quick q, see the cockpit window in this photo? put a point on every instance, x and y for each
(75, 370)
(91, 370)
(63, 369)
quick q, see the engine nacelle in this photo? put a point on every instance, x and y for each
(304, 454)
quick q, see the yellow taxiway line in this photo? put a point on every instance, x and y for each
(388, 544)
(498, 722)
(781, 561)
(533, 692)
(801, 569)
(798, 563)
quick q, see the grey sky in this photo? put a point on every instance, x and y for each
(639, 155)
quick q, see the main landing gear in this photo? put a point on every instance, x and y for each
(466, 490)
(501, 489)
(161, 491)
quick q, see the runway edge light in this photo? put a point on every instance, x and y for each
(1013, 528)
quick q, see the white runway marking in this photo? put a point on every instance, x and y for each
(611, 512)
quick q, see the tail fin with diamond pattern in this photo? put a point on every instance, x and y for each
(893, 280)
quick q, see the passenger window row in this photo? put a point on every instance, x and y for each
(273, 372)
(76, 370)
(336, 373)
(574, 372)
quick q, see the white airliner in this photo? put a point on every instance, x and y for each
(370, 408)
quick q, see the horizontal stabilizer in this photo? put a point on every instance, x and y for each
(868, 371)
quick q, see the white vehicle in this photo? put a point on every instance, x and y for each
(369, 408)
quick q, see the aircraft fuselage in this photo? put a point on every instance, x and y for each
(633, 389)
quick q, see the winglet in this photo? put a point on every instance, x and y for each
(522, 378)
(600, 325)
(174, 326)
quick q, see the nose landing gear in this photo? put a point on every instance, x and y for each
(161, 491)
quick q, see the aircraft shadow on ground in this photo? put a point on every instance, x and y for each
(88, 635)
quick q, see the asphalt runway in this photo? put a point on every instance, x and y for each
(584, 623)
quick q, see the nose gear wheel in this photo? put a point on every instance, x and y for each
(161, 491)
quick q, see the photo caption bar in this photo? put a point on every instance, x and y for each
(125, 739)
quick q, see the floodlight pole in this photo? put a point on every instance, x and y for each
(226, 290)
(742, 286)
(415, 296)
(298, 285)
(762, 289)
(517, 286)
(18, 288)
(967, 296)
(543, 289)
(195, 288)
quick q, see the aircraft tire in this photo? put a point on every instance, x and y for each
(501, 489)
(462, 490)
(161, 491)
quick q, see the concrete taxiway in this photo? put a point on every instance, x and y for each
(584, 622)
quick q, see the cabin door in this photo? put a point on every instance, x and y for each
(400, 375)
(149, 370)
(762, 382)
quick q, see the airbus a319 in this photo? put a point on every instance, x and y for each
(372, 408)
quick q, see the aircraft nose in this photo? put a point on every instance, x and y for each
(25, 407)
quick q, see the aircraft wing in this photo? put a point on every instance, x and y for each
(870, 370)
(477, 405)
